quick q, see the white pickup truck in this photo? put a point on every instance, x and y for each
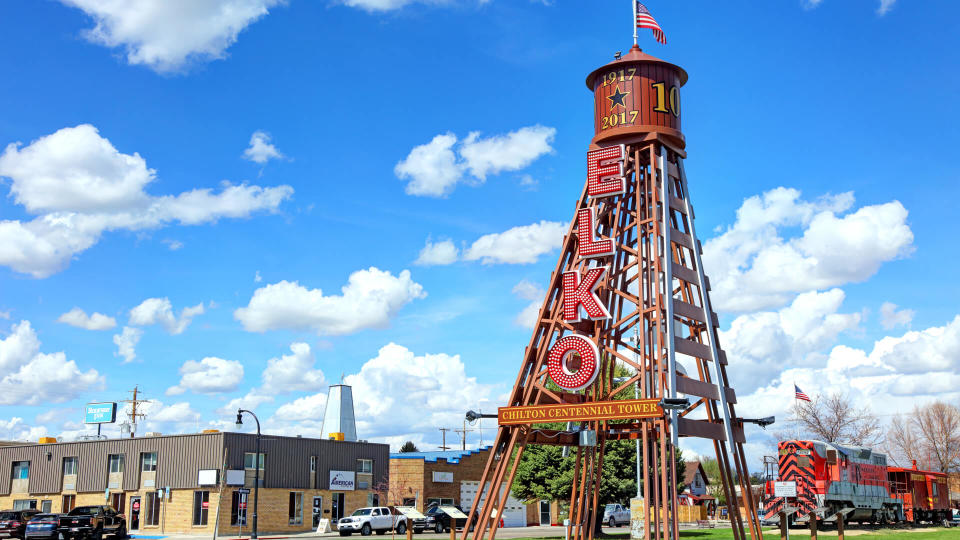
(615, 515)
(378, 519)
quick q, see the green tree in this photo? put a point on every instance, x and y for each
(409, 447)
(544, 474)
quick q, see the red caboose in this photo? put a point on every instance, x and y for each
(924, 494)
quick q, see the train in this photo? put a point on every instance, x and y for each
(857, 483)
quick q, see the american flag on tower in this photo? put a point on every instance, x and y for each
(799, 394)
(646, 20)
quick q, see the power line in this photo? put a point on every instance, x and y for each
(133, 414)
(444, 431)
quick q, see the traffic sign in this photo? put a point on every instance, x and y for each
(244, 491)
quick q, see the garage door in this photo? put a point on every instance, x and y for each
(514, 513)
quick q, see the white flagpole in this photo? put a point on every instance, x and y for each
(634, 3)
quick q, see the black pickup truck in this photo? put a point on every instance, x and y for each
(92, 522)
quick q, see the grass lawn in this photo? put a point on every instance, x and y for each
(798, 534)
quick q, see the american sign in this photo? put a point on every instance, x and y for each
(580, 412)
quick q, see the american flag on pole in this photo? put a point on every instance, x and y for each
(799, 393)
(646, 20)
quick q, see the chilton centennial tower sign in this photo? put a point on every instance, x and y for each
(629, 293)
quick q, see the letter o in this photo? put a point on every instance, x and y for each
(589, 362)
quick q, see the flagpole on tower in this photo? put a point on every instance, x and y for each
(634, 4)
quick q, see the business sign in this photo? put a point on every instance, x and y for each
(443, 477)
(784, 489)
(236, 477)
(343, 481)
(208, 477)
(625, 409)
(100, 413)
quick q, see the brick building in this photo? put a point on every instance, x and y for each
(178, 483)
(422, 479)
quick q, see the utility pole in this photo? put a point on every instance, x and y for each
(444, 431)
(133, 414)
(463, 433)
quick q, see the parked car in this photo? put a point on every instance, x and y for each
(13, 523)
(439, 521)
(615, 515)
(377, 519)
(43, 527)
(92, 522)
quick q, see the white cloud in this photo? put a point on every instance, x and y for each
(178, 413)
(519, 245)
(751, 266)
(432, 167)
(885, 6)
(437, 253)
(261, 150)
(81, 187)
(30, 377)
(95, 321)
(257, 278)
(173, 245)
(435, 168)
(511, 152)
(390, 5)
(370, 299)
(5, 315)
(211, 375)
(251, 400)
(126, 343)
(759, 345)
(16, 430)
(293, 372)
(160, 311)
(165, 35)
(399, 393)
(75, 170)
(534, 293)
(890, 317)
(308, 408)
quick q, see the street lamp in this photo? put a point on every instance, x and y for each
(256, 467)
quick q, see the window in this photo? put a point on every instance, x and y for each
(152, 516)
(25, 504)
(336, 507)
(115, 462)
(439, 502)
(295, 509)
(933, 491)
(21, 470)
(373, 499)
(238, 509)
(69, 465)
(46, 506)
(116, 501)
(313, 464)
(248, 460)
(365, 466)
(201, 507)
(69, 501)
(148, 462)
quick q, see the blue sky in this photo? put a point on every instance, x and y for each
(244, 166)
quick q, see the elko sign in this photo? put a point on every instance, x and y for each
(604, 179)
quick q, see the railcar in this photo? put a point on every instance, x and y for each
(831, 478)
(924, 494)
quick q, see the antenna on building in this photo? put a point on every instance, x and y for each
(444, 431)
(133, 414)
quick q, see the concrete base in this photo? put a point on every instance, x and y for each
(636, 517)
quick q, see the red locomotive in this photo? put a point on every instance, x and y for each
(857, 482)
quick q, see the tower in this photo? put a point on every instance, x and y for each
(629, 293)
(338, 415)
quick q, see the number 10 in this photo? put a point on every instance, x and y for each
(662, 99)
